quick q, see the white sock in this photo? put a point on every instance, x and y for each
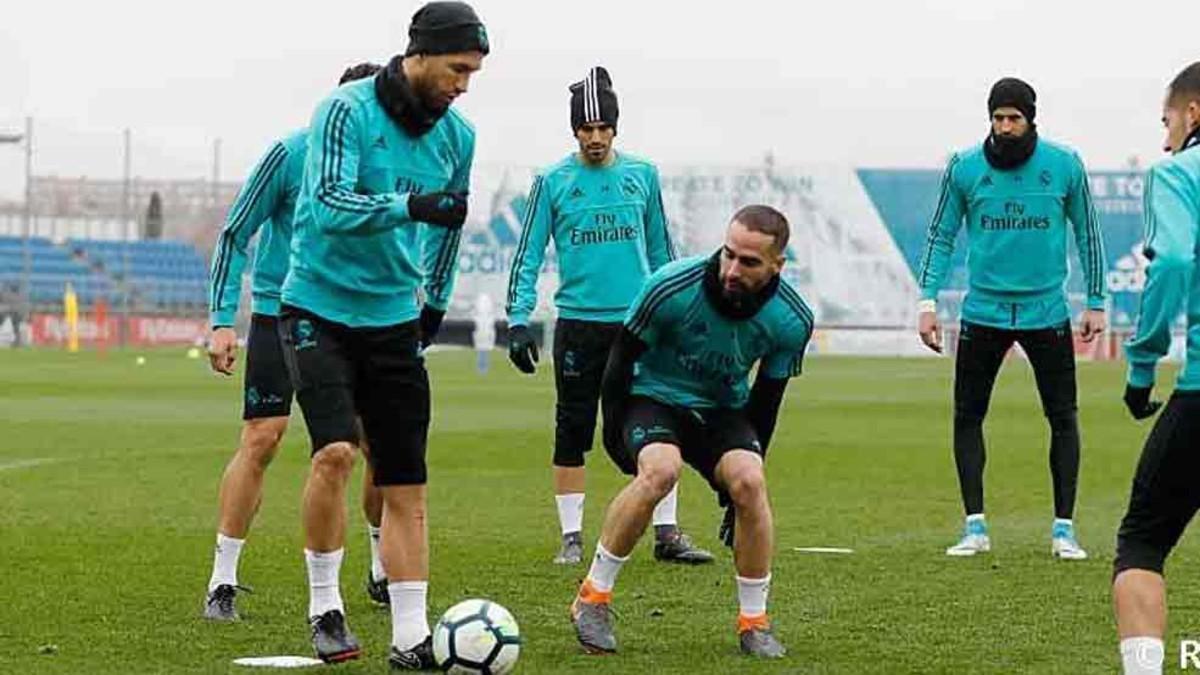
(570, 511)
(664, 512)
(752, 595)
(975, 516)
(410, 624)
(323, 572)
(1142, 656)
(225, 561)
(377, 573)
(605, 567)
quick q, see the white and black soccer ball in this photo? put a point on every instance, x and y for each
(477, 636)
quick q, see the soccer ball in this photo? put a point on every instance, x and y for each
(476, 636)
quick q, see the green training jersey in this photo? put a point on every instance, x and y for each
(609, 231)
(1017, 234)
(265, 205)
(697, 357)
(1172, 213)
(357, 258)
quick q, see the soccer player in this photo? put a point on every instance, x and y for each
(1164, 496)
(604, 211)
(1016, 192)
(266, 202)
(694, 332)
(378, 219)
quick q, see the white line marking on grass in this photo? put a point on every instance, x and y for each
(278, 662)
(22, 463)
(822, 549)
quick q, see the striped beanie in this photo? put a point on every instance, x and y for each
(593, 100)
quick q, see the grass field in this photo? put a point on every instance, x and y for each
(108, 476)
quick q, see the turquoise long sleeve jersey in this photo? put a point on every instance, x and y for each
(1172, 213)
(696, 357)
(609, 230)
(1017, 237)
(357, 258)
(267, 198)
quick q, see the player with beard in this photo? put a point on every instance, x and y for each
(378, 220)
(265, 205)
(604, 211)
(1016, 192)
(676, 389)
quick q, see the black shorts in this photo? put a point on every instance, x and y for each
(580, 353)
(267, 388)
(702, 436)
(981, 351)
(1165, 495)
(341, 372)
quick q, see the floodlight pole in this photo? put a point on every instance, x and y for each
(27, 232)
(127, 280)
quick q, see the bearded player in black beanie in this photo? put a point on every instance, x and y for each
(374, 253)
(1016, 193)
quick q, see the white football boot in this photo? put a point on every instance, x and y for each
(1063, 544)
(974, 539)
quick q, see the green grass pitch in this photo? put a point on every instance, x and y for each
(109, 471)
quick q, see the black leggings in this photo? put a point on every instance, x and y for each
(1051, 352)
(1165, 495)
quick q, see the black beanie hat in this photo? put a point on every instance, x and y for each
(1015, 93)
(593, 100)
(446, 28)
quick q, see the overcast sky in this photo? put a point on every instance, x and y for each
(884, 83)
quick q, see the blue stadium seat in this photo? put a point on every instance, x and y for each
(165, 273)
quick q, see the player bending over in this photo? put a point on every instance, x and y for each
(676, 390)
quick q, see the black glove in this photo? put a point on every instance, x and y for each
(1137, 399)
(431, 323)
(522, 349)
(444, 209)
(725, 533)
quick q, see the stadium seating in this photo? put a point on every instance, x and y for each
(165, 274)
(51, 269)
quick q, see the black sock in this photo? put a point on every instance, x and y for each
(969, 457)
(1064, 462)
(665, 531)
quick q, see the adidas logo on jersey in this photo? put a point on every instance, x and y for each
(576, 193)
(380, 143)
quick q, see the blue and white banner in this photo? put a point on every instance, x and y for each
(905, 200)
(857, 235)
(840, 257)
